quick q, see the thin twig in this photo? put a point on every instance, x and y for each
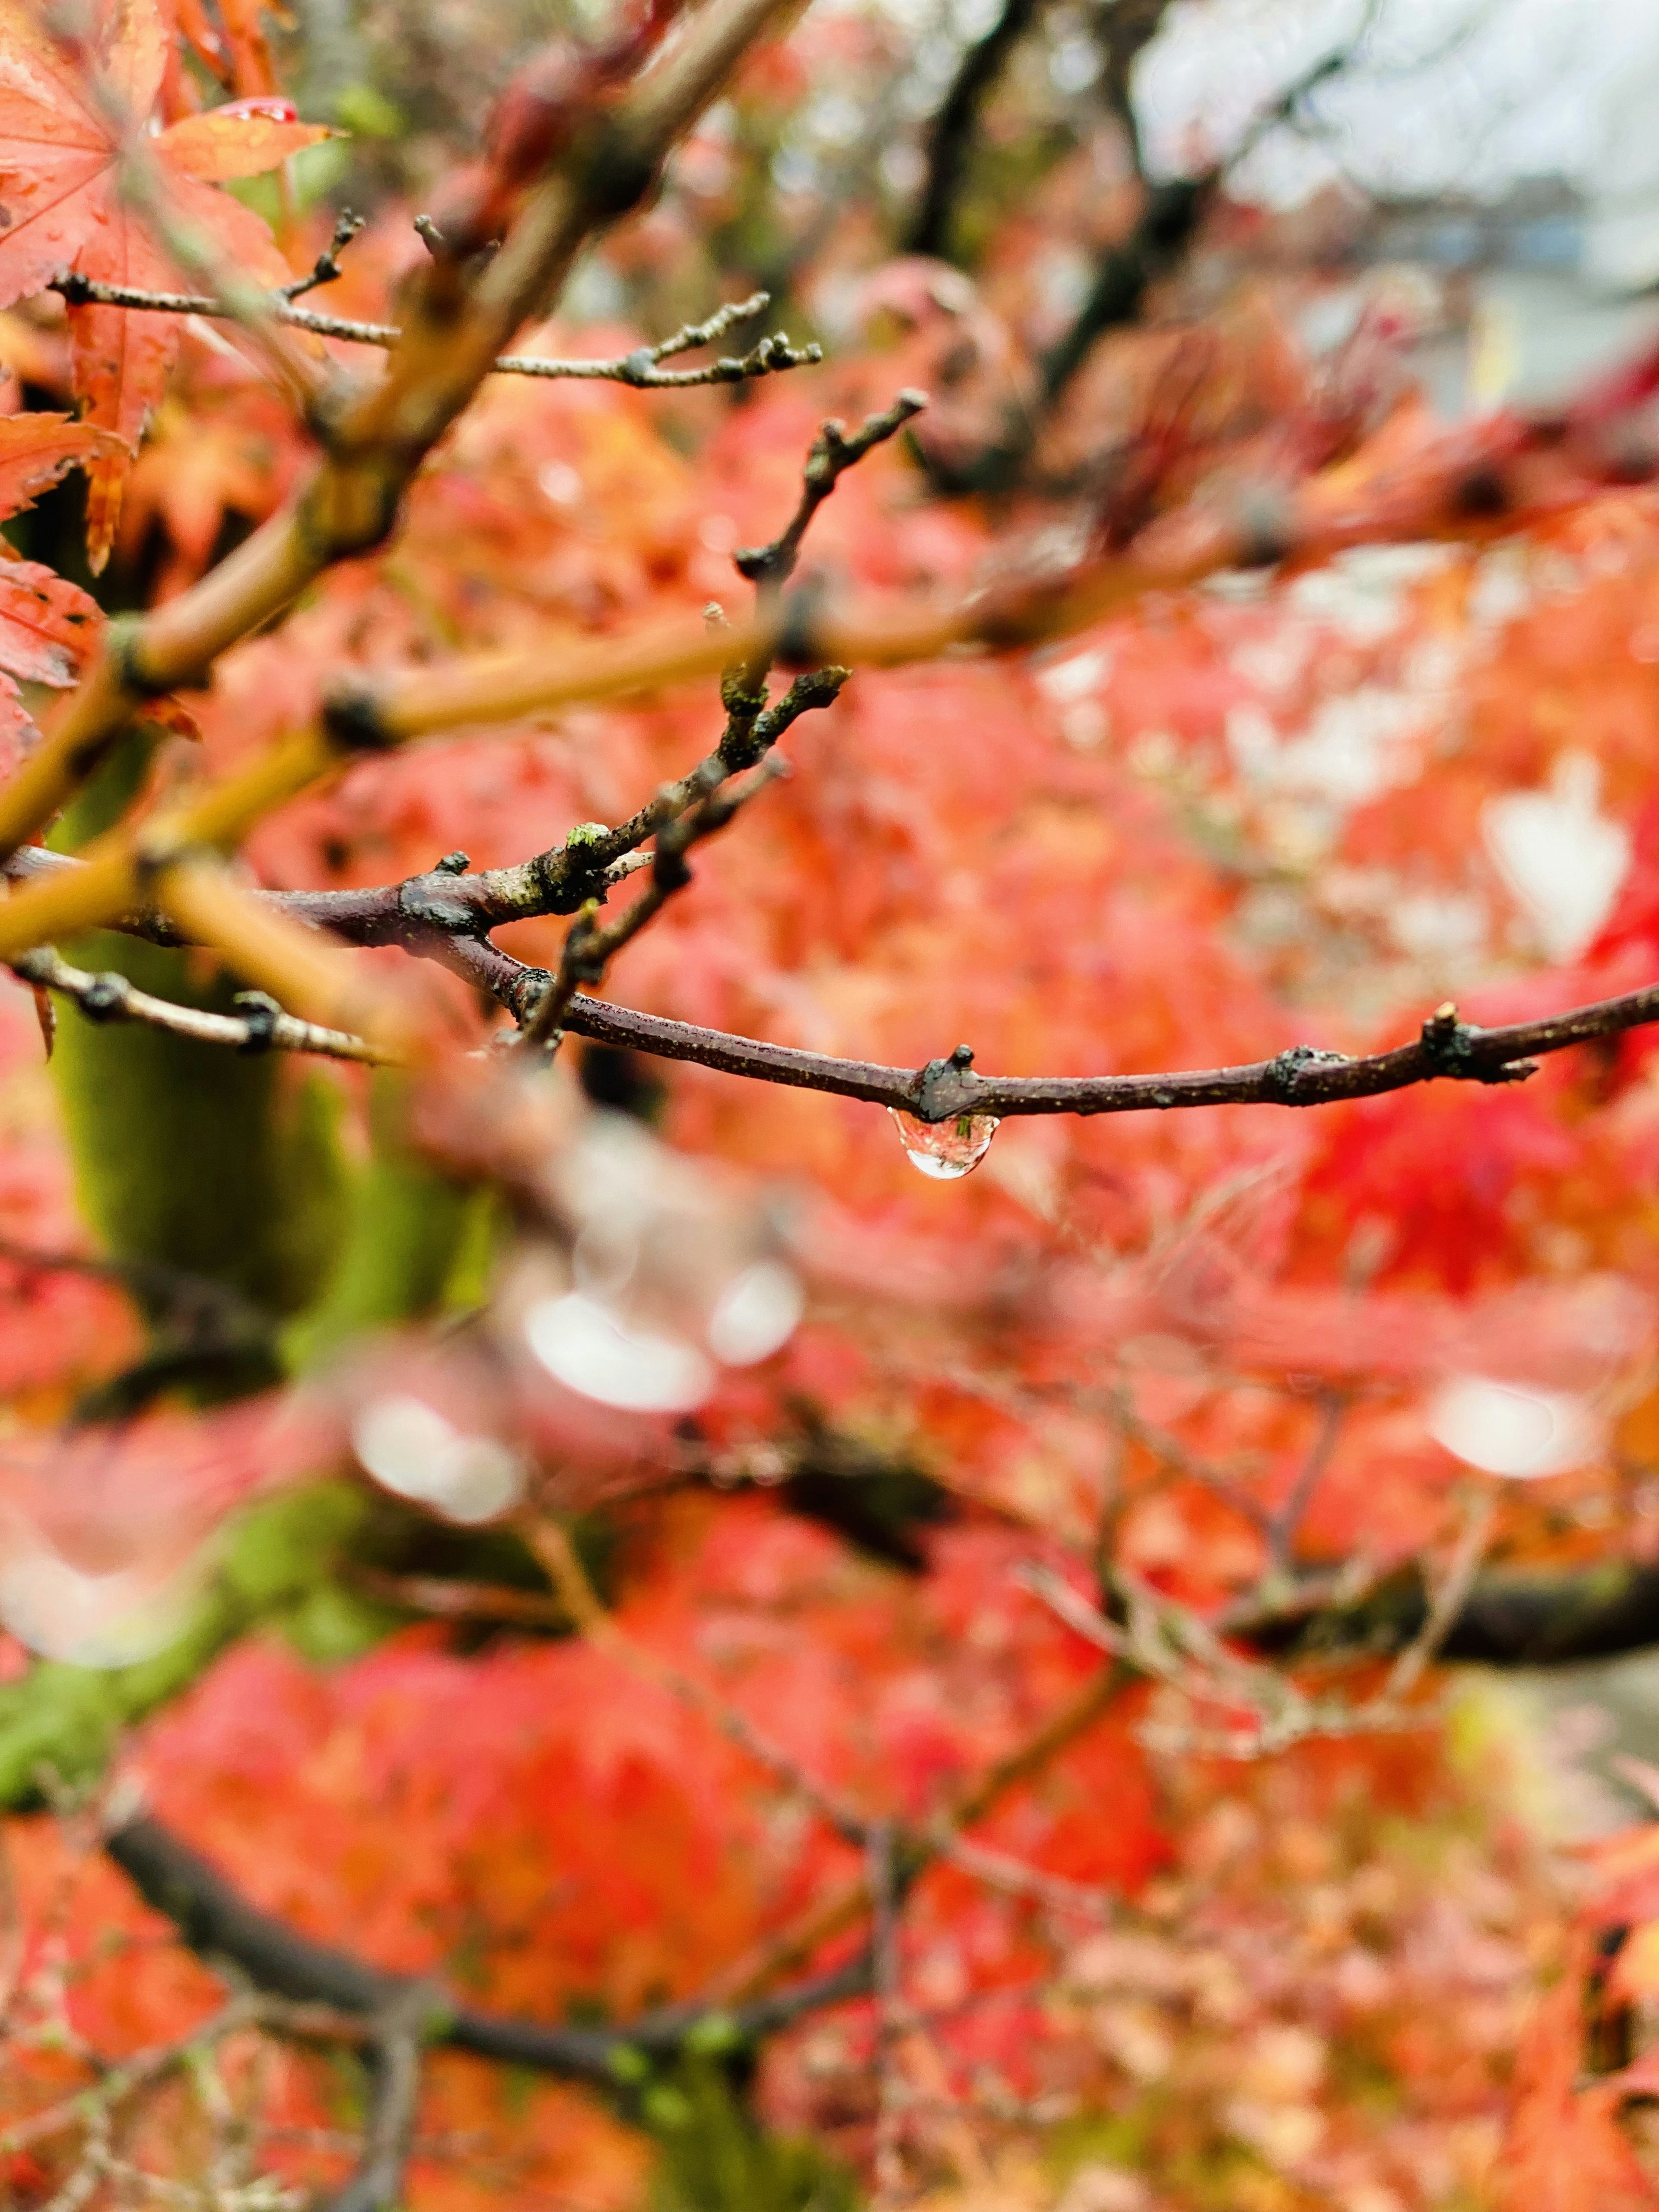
(394, 2063)
(263, 1027)
(998, 1871)
(589, 945)
(1448, 1598)
(834, 452)
(1285, 1522)
(582, 1606)
(889, 2158)
(326, 269)
(766, 357)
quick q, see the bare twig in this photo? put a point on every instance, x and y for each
(998, 1871)
(263, 1027)
(589, 945)
(394, 2064)
(326, 269)
(1448, 1600)
(640, 368)
(889, 2022)
(582, 1606)
(834, 452)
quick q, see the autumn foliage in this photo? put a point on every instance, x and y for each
(592, 1534)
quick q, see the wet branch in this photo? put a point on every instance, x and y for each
(943, 1089)
(448, 917)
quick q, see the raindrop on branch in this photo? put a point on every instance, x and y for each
(946, 1151)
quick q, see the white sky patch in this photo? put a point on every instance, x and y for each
(1455, 95)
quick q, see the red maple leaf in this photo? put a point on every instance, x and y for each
(47, 623)
(62, 208)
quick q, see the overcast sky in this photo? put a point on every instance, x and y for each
(1465, 94)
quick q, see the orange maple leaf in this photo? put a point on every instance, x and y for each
(37, 449)
(47, 623)
(1565, 2149)
(62, 208)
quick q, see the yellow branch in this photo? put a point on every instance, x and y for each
(284, 957)
(124, 869)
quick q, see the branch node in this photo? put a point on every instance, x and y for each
(261, 1013)
(425, 900)
(943, 1087)
(453, 863)
(106, 998)
(573, 873)
(124, 642)
(1284, 1073)
(354, 719)
(1448, 1047)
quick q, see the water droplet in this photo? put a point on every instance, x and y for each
(593, 1351)
(947, 1151)
(410, 1448)
(757, 1314)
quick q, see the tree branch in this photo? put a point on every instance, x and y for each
(951, 135)
(1169, 221)
(944, 1090)
(218, 1923)
(1509, 1616)
(263, 1028)
(638, 368)
(409, 915)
